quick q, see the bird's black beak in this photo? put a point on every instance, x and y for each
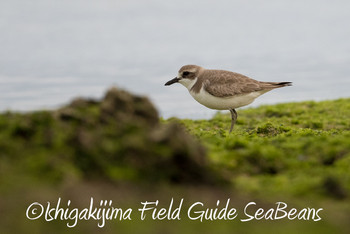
(170, 82)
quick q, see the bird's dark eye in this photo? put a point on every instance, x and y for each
(186, 73)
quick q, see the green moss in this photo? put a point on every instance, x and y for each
(289, 149)
(293, 152)
(116, 139)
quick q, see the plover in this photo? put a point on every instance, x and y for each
(222, 90)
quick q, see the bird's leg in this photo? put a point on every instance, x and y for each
(234, 118)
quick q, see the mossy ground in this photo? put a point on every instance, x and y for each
(298, 153)
(294, 149)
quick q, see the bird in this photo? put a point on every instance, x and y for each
(221, 89)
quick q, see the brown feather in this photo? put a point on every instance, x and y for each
(225, 83)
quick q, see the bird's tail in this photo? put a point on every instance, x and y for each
(284, 84)
(277, 84)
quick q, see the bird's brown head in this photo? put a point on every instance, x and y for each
(186, 75)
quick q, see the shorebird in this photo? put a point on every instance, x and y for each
(222, 90)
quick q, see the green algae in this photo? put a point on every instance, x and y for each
(291, 149)
(116, 148)
(118, 139)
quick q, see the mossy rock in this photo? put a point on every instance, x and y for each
(118, 138)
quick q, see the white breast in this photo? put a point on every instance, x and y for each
(225, 103)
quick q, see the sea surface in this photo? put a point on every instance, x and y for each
(52, 51)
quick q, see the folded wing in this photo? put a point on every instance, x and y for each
(226, 84)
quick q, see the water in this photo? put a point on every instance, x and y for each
(52, 51)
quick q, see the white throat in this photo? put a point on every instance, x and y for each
(188, 83)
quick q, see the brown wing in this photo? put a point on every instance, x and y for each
(225, 84)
